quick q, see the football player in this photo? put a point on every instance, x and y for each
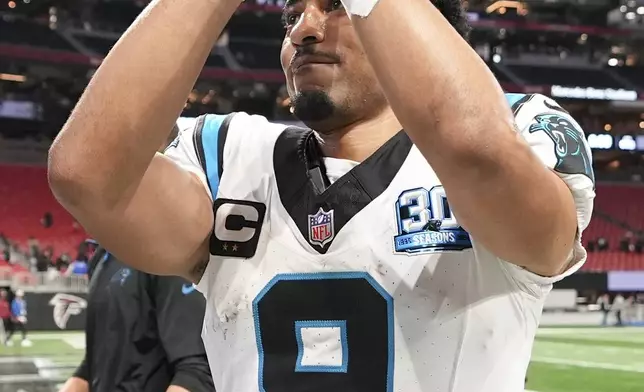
(405, 242)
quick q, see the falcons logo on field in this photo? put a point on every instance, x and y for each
(66, 305)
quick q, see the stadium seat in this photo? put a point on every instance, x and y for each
(24, 199)
(21, 32)
(628, 211)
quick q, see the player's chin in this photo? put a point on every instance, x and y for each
(311, 88)
(317, 75)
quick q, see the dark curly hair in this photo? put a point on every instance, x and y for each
(455, 13)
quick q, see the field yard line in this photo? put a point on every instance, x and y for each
(600, 330)
(586, 364)
(54, 336)
(44, 363)
(19, 359)
(11, 378)
(76, 342)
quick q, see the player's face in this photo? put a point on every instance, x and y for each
(329, 78)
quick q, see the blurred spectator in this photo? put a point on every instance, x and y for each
(602, 244)
(591, 245)
(604, 305)
(19, 319)
(618, 307)
(629, 309)
(78, 267)
(83, 248)
(47, 220)
(639, 298)
(5, 313)
(639, 243)
(625, 243)
(41, 262)
(62, 262)
(33, 246)
(52, 273)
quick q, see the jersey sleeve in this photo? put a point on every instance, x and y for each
(199, 149)
(82, 371)
(236, 143)
(559, 142)
(180, 311)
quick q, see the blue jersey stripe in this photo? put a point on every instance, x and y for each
(513, 98)
(210, 143)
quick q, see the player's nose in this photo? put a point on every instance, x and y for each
(310, 29)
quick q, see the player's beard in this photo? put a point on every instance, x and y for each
(312, 107)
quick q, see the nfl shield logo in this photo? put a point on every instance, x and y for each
(321, 228)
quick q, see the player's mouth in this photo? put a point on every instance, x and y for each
(301, 63)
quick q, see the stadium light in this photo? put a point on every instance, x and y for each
(502, 6)
(12, 78)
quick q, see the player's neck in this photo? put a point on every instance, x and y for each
(357, 141)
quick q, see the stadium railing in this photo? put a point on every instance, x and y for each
(47, 282)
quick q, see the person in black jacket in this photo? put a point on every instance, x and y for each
(143, 333)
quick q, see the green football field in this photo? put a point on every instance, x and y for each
(563, 360)
(588, 360)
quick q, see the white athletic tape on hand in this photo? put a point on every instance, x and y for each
(360, 8)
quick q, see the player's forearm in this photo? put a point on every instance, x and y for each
(454, 110)
(174, 388)
(192, 373)
(133, 100)
(75, 384)
(438, 87)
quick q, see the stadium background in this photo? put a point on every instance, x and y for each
(587, 54)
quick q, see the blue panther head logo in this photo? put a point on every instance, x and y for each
(572, 155)
(121, 276)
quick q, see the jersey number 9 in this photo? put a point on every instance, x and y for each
(324, 332)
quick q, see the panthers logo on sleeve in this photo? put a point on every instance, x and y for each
(173, 144)
(569, 147)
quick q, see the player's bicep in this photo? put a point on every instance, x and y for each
(559, 142)
(163, 227)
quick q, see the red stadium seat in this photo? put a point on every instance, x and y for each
(24, 199)
(624, 203)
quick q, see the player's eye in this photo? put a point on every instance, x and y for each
(290, 18)
(335, 5)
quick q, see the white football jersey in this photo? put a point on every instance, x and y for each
(367, 283)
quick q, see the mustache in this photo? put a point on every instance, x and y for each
(310, 51)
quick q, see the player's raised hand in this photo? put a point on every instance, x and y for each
(146, 210)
